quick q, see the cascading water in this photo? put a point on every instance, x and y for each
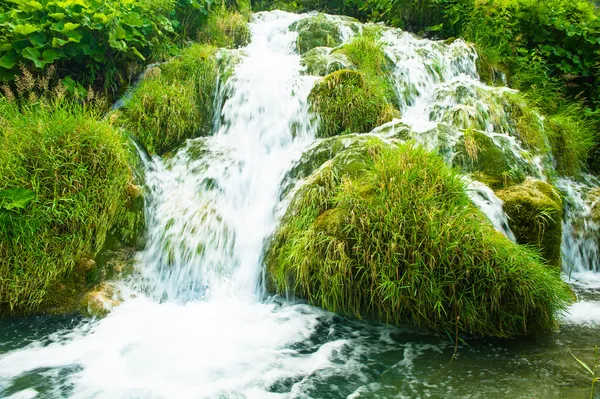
(196, 323)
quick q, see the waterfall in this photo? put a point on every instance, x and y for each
(196, 321)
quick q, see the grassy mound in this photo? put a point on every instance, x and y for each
(346, 103)
(535, 213)
(316, 31)
(387, 232)
(174, 102)
(66, 186)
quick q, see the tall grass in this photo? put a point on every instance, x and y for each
(389, 233)
(174, 102)
(77, 168)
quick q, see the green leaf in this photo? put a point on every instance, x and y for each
(17, 198)
(38, 39)
(74, 36)
(59, 16)
(585, 366)
(69, 26)
(25, 29)
(56, 42)
(120, 33)
(133, 19)
(34, 55)
(51, 55)
(8, 61)
(136, 52)
(35, 5)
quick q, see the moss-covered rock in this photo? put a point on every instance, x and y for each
(495, 165)
(320, 61)
(593, 199)
(346, 103)
(316, 31)
(174, 102)
(535, 211)
(101, 301)
(388, 233)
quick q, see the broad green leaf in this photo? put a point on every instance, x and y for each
(5, 47)
(120, 33)
(74, 36)
(59, 16)
(17, 198)
(38, 39)
(69, 26)
(133, 19)
(51, 55)
(25, 29)
(56, 42)
(32, 54)
(8, 61)
(35, 5)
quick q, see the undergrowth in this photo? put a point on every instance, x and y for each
(389, 234)
(174, 101)
(71, 172)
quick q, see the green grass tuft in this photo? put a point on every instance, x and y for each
(388, 233)
(226, 28)
(174, 102)
(77, 167)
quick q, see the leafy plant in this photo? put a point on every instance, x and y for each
(591, 370)
(14, 200)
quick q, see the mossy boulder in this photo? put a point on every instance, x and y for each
(535, 212)
(320, 61)
(593, 199)
(101, 301)
(316, 31)
(388, 233)
(491, 162)
(174, 102)
(346, 103)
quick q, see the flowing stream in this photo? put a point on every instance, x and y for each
(196, 321)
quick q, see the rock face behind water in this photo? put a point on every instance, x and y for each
(385, 230)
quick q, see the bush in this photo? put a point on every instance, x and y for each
(64, 190)
(93, 40)
(174, 102)
(226, 28)
(388, 233)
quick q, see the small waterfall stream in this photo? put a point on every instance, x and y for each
(196, 321)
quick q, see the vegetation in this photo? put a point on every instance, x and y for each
(316, 31)
(535, 212)
(226, 28)
(66, 186)
(388, 232)
(174, 101)
(349, 101)
(547, 49)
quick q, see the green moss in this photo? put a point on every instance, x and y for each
(316, 31)
(320, 62)
(77, 166)
(346, 103)
(225, 28)
(398, 240)
(593, 199)
(493, 165)
(572, 138)
(535, 212)
(174, 102)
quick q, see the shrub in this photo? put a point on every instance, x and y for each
(388, 233)
(174, 102)
(66, 175)
(93, 39)
(225, 28)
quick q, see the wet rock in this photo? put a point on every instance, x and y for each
(535, 213)
(101, 301)
(316, 31)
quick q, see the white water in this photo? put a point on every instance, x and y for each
(196, 324)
